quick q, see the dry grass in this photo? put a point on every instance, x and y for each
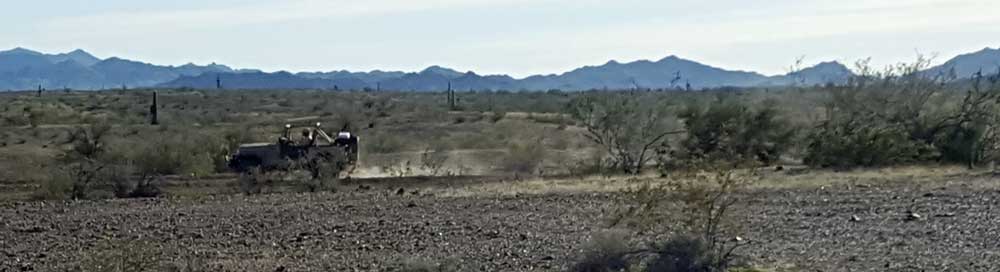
(800, 178)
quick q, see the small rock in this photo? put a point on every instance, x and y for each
(945, 215)
(855, 218)
(913, 216)
(411, 204)
(929, 195)
(400, 191)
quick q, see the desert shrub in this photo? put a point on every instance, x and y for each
(903, 115)
(120, 180)
(142, 166)
(688, 253)
(497, 116)
(171, 156)
(729, 131)
(231, 140)
(696, 207)
(970, 133)
(592, 163)
(58, 185)
(627, 125)
(524, 158)
(85, 161)
(606, 251)
(433, 157)
(321, 172)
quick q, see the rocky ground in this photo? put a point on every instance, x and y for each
(897, 226)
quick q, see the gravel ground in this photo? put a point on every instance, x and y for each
(940, 226)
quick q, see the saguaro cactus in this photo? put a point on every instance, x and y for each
(451, 97)
(152, 112)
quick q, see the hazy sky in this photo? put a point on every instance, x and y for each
(517, 37)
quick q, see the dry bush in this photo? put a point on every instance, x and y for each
(497, 116)
(433, 158)
(83, 164)
(629, 125)
(903, 115)
(524, 158)
(321, 172)
(696, 208)
(605, 252)
(58, 185)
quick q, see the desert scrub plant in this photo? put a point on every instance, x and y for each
(628, 125)
(58, 185)
(433, 158)
(696, 208)
(84, 162)
(161, 156)
(497, 116)
(730, 131)
(903, 115)
(606, 251)
(524, 158)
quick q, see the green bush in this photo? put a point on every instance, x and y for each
(732, 132)
(904, 116)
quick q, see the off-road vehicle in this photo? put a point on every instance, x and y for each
(312, 150)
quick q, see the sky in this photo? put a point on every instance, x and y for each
(515, 37)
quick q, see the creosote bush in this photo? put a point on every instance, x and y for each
(629, 126)
(728, 131)
(904, 115)
(696, 208)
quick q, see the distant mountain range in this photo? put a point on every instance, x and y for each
(22, 69)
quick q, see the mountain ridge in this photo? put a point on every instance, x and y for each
(22, 68)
